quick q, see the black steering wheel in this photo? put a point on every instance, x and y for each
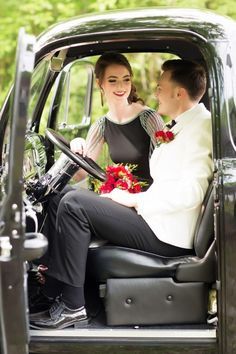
(84, 162)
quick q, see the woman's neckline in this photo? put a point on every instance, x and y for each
(128, 120)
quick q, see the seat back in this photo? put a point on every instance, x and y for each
(204, 232)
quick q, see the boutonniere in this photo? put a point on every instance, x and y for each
(163, 137)
(119, 176)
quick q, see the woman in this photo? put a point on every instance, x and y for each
(128, 127)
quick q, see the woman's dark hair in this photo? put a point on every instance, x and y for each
(111, 58)
(188, 74)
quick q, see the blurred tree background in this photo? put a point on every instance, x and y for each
(36, 16)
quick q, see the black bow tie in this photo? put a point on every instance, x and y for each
(171, 124)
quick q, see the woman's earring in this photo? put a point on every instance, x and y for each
(102, 101)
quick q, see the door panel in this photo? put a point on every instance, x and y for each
(13, 303)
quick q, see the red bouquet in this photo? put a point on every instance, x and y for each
(120, 176)
(163, 137)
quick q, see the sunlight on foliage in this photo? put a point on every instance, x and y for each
(36, 16)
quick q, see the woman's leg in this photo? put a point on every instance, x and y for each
(48, 228)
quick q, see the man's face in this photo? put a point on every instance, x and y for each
(167, 95)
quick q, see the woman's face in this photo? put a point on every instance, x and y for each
(116, 83)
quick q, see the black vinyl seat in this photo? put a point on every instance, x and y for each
(145, 288)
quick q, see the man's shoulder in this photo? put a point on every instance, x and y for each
(198, 128)
(202, 116)
(204, 113)
(201, 127)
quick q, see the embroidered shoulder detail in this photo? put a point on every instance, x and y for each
(101, 124)
(151, 121)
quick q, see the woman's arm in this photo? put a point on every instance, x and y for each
(90, 147)
(81, 174)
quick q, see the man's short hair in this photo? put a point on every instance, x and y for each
(188, 74)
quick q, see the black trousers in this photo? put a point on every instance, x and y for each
(48, 227)
(82, 215)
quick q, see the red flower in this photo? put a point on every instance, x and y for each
(136, 187)
(121, 184)
(169, 136)
(120, 176)
(163, 137)
(160, 134)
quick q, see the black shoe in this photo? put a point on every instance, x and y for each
(40, 303)
(60, 316)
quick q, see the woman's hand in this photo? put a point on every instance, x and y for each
(78, 145)
(122, 197)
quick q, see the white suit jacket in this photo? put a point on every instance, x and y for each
(181, 170)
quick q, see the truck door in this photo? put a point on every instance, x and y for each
(13, 300)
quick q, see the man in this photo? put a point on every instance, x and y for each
(161, 220)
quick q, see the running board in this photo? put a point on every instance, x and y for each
(136, 335)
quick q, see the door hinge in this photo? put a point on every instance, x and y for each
(5, 248)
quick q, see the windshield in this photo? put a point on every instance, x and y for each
(37, 83)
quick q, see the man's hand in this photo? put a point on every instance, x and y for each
(122, 197)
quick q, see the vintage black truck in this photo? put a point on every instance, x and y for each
(33, 118)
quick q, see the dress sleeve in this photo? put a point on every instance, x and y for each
(151, 121)
(95, 135)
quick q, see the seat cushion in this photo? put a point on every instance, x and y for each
(120, 262)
